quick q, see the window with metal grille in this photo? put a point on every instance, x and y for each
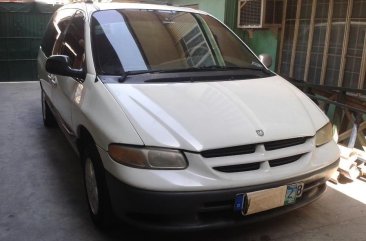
(250, 13)
(259, 13)
(273, 12)
(324, 42)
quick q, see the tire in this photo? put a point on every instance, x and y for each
(47, 115)
(96, 190)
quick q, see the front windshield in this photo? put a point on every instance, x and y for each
(152, 40)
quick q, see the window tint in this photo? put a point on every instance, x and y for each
(196, 48)
(114, 44)
(234, 53)
(55, 28)
(49, 38)
(135, 40)
(73, 44)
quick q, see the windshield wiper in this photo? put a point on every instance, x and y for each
(216, 68)
(125, 74)
(196, 69)
(255, 68)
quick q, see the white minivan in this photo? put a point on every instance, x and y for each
(177, 123)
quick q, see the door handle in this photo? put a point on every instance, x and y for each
(53, 79)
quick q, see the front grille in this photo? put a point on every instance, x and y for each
(274, 145)
(256, 165)
(284, 161)
(229, 151)
(239, 168)
(248, 149)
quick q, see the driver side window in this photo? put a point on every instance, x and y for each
(60, 23)
(73, 44)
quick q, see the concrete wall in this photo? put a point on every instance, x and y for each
(216, 8)
(264, 42)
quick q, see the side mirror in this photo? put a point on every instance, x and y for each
(60, 65)
(266, 59)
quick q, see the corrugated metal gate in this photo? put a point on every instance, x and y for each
(21, 29)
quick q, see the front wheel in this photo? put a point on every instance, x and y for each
(96, 189)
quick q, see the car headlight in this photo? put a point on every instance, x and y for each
(324, 135)
(148, 158)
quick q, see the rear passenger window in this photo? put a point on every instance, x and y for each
(73, 44)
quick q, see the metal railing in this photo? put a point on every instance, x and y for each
(346, 107)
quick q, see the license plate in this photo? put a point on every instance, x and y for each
(293, 192)
(263, 200)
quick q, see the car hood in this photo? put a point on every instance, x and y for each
(207, 115)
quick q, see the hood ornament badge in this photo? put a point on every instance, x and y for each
(260, 132)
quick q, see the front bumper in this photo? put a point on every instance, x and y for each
(202, 209)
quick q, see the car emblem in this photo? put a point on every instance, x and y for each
(260, 132)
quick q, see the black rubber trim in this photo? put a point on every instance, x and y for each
(239, 167)
(229, 151)
(284, 160)
(274, 145)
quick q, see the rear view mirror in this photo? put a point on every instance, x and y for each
(60, 65)
(266, 59)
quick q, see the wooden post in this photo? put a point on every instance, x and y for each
(361, 79)
(296, 33)
(310, 39)
(346, 134)
(283, 25)
(326, 42)
(345, 43)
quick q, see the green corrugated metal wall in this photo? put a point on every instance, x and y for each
(21, 29)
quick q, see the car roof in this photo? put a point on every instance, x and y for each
(93, 7)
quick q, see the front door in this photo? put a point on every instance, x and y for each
(72, 46)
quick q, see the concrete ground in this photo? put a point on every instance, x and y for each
(42, 196)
